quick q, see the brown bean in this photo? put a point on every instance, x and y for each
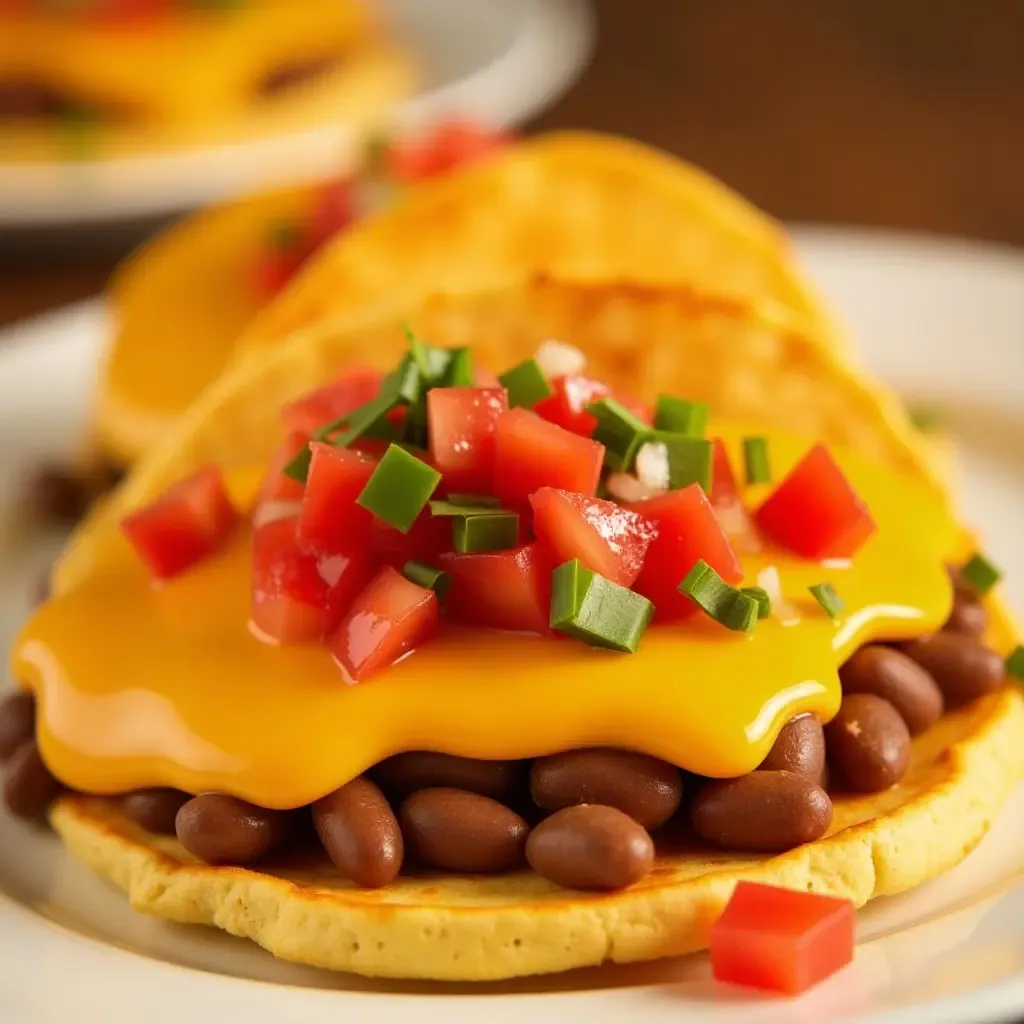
(762, 811)
(964, 668)
(360, 833)
(58, 494)
(155, 810)
(589, 846)
(460, 831)
(29, 788)
(17, 722)
(799, 748)
(422, 769)
(647, 789)
(968, 616)
(868, 743)
(222, 829)
(891, 675)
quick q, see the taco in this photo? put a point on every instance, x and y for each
(551, 671)
(576, 207)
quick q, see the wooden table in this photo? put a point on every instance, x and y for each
(905, 113)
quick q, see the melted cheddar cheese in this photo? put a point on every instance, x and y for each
(144, 686)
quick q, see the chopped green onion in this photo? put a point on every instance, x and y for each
(406, 383)
(440, 367)
(485, 531)
(678, 416)
(448, 507)
(707, 589)
(458, 371)
(414, 427)
(601, 613)
(980, 574)
(619, 431)
(1015, 663)
(427, 576)
(474, 500)
(742, 613)
(755, 454)
(825, 594)
(420, 352)
(526, 384)
(399, 488)
(760, 595)
(689, 460)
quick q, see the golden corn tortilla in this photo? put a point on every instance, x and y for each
(577, 207)
(480, 928)
(450, 927)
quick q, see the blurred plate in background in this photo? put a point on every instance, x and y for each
(498, 62)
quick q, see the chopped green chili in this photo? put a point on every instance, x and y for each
(742, 613)
(755, 455)
(620, 431)
(449, 507)
(399, 488)
(760, 595)
(427, 576)
(526, 384)
(601, 613)
(679, 416)
(980, 574)
(721, 601)
(825, 594)
(489, 530)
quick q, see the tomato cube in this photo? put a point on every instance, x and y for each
(607, 538)
(330, 521)
(327, 404)
(814, 511)
(459, 142)
(187, 523)
(572, 393)
(429, 536)
(530, 453)
(333, 211)
(501, 589)
(277, 486)
(461, 424)
(781, 939)
(388, 618)
(723, 479)
(688, 530)
(725, 497)
(297, 596)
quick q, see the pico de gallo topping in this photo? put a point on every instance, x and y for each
(390, 165)
(399, 501)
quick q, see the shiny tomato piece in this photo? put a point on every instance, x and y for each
(325, 405)
(501, 589)
(567, 406)
(734, 516)
(461, 425)
(530, 453)
(276, 485)
(388, 618)
(187, 523)
(484, 378)
(297, 596)
(688, 530)
(461, 142)
(429, 536)
(814, 511)
(723, 479)
(275, 266)
(333, 211)
(330, 521)
(607, 538)
(780, 939)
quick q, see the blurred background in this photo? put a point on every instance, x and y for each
(904, 115)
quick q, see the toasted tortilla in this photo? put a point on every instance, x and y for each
(449, 927)
(576, 207)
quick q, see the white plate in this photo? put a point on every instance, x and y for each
(497, 62)
(943, 321)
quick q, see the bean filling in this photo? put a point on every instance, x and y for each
(591, 810)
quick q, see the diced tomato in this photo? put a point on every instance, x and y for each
(389, 617)
(572, 393)
(781, 939)
(298, 596)
(333, 211)
(732, 513)
(429, 536)
(330, 521)
(275, 266)
(484, 378)
(605, 537)
(187, 523)
(410, 160)
(501, 589)
(814, 511)
(688, 530)
(325, 405)
(276, 485)
(530, 453)
(723, 479)
(461, 424)
(450, 145)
